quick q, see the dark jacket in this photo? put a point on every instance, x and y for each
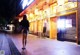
(25, 24)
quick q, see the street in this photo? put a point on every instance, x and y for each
(12, 45)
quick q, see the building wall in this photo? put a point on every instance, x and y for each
(53, 28)
(55, 10)
(78, 20)
(70, 33)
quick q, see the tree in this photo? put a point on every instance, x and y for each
(3, 22)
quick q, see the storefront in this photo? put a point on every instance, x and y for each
(61, 20)
(67, 29)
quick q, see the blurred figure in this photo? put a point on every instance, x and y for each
(16, 24)
(25, 28)
(44, 28)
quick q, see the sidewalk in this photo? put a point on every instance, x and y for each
(45, 46)
(4, 45)
(7, 46)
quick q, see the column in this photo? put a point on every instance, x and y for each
(78, 22)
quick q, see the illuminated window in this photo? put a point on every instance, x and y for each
(68, 23)
(36, 11)
(64, 23)
(61, 24)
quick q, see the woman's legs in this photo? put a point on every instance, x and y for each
(23, 40)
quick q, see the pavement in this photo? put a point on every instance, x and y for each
(36, 46)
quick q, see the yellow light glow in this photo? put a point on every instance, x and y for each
(31, 15)
(60, 8)
(20, 19)
(60, 2)
(71, 4)
(48, 12)
(36, 11)
(54, 9)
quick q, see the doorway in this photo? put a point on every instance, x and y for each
(67, 28)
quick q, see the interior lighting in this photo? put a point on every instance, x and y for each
(31, 15)
(64, 23)
(61, 24)
(36, 11)
(60, 2)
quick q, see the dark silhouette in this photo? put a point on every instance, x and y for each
(44, 27)
(16, 24)
(25, 28)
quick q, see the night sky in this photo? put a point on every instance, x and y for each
(10, 8)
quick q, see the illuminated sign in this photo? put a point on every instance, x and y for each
(26, 3)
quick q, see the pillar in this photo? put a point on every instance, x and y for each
(78, 22)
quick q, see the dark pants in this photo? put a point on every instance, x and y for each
(44, 31)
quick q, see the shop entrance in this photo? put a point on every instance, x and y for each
(67, 27)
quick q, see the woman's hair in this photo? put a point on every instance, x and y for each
(24, 17)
